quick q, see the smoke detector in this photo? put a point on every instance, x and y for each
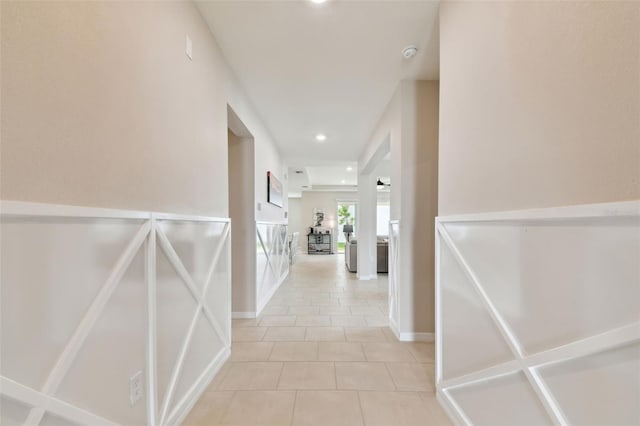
(409, 52)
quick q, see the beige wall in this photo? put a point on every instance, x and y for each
(101, 107)
(410, 124)
(419, 205)
(389, 128)
(540, 104)
(243, 242)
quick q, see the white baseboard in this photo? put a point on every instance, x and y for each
(243, 315)
(192, 396)
(417, 337)
(262, 303)
(410, 336)
(367, 277)
(394, 327)
(449, 409)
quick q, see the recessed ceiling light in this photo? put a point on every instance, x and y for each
(343, 181)
(318, 1)
(320, 137)
(349, 168)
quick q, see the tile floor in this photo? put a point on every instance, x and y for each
(321, 354)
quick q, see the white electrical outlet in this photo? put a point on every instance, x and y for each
(135, 388)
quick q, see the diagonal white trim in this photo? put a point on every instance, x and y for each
(504, 369)
(189, 399)
(544, 394)
(276, 268)
(175, 261)
(177, 369)
(68, 355)
(269, 264)
(224, 239)
(500, 322)
(550, 405)
(200, 298)
(29, 396)
(591, 345)
(42, 400)
(460, 414)
(528, 364)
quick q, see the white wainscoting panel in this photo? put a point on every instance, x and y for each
(272, 260)
(538, 316)
(90, 297)
(394, 274)
(14, 413)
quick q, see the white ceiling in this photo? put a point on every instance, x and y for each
(323, 176)
(329, 68)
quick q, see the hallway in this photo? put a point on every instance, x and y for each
(321, 353)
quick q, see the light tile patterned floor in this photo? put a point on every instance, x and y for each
(322, 355)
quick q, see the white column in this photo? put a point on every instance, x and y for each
(366, 226)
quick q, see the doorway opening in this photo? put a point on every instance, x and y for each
(346, 223)
(241, 169)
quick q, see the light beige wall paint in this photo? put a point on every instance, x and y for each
(389, 127)
(419, 205)
(328, 201)
(540, 104)
(243, 242)
(101, 107)
(411, 124)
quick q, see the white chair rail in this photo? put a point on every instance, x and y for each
(537, 316)
(110, 316)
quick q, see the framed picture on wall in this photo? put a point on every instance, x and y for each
(274, 190)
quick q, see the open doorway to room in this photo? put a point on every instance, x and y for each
(346, 223)
(241, 169)
(374, 189)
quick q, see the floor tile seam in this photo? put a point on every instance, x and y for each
(413, 355)
(273, 345)
(361, 409)
(280, 375)
(226, 408)
(293, 409)
(395, 384)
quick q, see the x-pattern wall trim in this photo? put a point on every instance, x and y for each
(200, 299)
(70, 352)
(529, 365)
(276, 259)
(44, 399)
